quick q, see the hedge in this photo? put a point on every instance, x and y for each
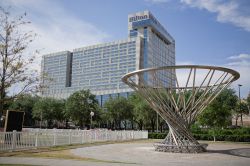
(222, 136)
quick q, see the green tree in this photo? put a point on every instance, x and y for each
(248, 103)
(218, 113)
(49, 109)
(79, 105)
(119, 110)
(248, 100)
(14, 61)
(25, 103)
(151, 117)
(144, 115)
(140, 107)
(242, 108)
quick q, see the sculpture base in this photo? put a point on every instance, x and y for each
(160, 147)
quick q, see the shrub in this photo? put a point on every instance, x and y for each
(157, 135)
(221, 135)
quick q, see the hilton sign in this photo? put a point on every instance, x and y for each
(136, 18)
(144, 17)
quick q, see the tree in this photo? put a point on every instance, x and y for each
(143, 113)
(140, 107)
(218, 113)
(248, 100)
(242, 108)
(119, 111)
(151, 117)
(14, 63)
(25, 103)
(79, 105)
(49, 109)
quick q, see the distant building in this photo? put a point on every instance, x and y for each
(100, 67)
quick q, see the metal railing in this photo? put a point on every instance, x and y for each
(10, 141)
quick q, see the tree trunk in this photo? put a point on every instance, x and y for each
(132, 124)
(140, 124)
(152, 125)
(241, 119)
(66, 123)
(236, 120)
(125, 124)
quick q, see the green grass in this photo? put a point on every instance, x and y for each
(63, 152)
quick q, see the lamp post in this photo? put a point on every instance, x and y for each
(91, 115)
(239, 85)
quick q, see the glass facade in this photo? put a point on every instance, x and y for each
(100, 67)
(158, 45)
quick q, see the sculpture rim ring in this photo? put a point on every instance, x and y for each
(223, 69)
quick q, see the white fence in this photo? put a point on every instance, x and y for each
(39, 138)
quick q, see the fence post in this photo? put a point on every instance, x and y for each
(55, 134)
(106, 134)
(36, 138)
(95, 136)
(82, 136)
(13, 142)
(70, 134)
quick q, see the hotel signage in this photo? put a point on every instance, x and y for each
(143, 17)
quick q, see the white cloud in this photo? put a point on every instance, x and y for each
(240, 57)
(56, 27)
(239, 60)
(241, 63)
(227, 11)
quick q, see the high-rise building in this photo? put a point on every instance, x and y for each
(100, 67)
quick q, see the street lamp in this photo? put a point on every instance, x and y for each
(91, 115)
(239, 85)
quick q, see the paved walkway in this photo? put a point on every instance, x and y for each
(227, 154)
(222, 154)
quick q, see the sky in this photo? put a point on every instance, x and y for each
(206, 32)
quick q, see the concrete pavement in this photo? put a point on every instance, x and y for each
(142, 153)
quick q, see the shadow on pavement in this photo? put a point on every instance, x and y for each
(240, 152)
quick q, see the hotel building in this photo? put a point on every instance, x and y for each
(100, 67)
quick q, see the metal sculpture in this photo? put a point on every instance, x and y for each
(178, 94)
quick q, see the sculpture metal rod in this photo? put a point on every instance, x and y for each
(179, 105)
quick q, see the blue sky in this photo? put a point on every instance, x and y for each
(211, 32)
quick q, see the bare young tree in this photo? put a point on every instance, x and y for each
(16, 75)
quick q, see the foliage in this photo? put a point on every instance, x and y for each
(119, 110)
(218, 113)
(14, 62)
(25, 103)
(157, 135)
(144, 115)
(241, 108)
(139, 108)
(248, 101)
(79, 105)
(49, 109)
(236, 135)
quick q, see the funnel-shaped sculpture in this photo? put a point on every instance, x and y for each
(178, 94)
